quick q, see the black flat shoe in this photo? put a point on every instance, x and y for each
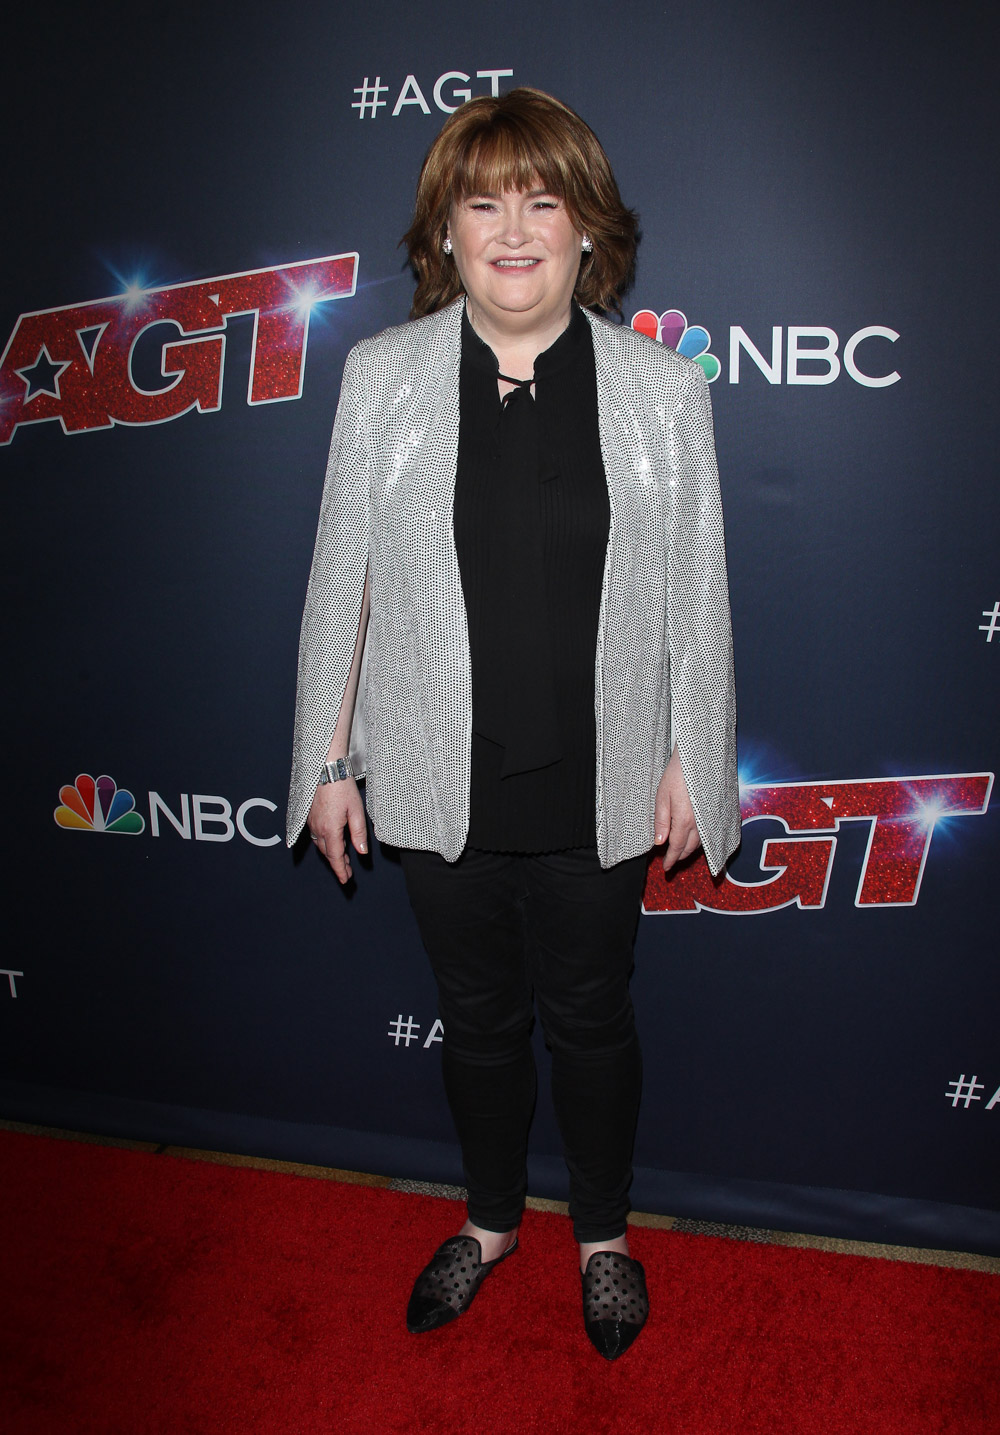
(615, 1302)
(447, 1285)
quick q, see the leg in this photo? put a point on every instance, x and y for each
(471, 919)
(582, 922)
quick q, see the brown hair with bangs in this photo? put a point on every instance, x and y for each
(515, 142)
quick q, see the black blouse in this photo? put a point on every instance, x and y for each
(531, 532)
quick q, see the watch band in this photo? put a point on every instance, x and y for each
(336, 771)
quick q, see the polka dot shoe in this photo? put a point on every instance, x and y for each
(447, 1285)
(615, 1302)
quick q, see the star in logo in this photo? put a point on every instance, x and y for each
(42, 377)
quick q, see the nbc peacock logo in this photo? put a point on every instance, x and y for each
(98, 806)
(673, 329)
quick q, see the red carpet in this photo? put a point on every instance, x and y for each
(149, 1295)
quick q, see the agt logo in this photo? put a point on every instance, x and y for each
(799, 354)
(448, 93)
(77, 363)
(902, 813)
(102, 806)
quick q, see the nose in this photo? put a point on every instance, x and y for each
(512, 228)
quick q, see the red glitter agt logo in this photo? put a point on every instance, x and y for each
(902, 813)
(75, 363)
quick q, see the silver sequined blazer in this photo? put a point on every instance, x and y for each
(663, 670)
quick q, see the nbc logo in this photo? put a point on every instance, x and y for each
(100, 806)
(800, 354)
(672, 329)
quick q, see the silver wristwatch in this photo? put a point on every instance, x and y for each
(336, 771)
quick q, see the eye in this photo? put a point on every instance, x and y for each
(482, 204)
(546, 204)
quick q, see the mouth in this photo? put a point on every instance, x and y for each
(515, 263)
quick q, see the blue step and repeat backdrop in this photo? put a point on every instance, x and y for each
(203, 216)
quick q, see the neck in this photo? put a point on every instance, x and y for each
(517, 345)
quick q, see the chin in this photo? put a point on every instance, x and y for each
(522, 296)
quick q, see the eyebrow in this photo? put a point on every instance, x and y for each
(528, 194)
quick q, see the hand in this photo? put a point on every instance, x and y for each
(674, 816)
(338, 805)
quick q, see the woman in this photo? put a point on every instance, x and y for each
(521, 542)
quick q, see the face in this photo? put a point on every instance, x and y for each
(518, 256)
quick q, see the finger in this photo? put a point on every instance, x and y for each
(336, 855)
(358, 827)
(691, 845)
(661, 819)
(679, 837)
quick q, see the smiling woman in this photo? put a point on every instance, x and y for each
(521, 519)
(526, 141)
(518, 256)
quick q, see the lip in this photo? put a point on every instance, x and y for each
(515, 264)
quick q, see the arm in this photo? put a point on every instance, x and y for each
(337, 805)
(703, 702)
(335, 599)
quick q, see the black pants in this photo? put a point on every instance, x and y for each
(499, 928)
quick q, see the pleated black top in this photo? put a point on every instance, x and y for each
(531, 531)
